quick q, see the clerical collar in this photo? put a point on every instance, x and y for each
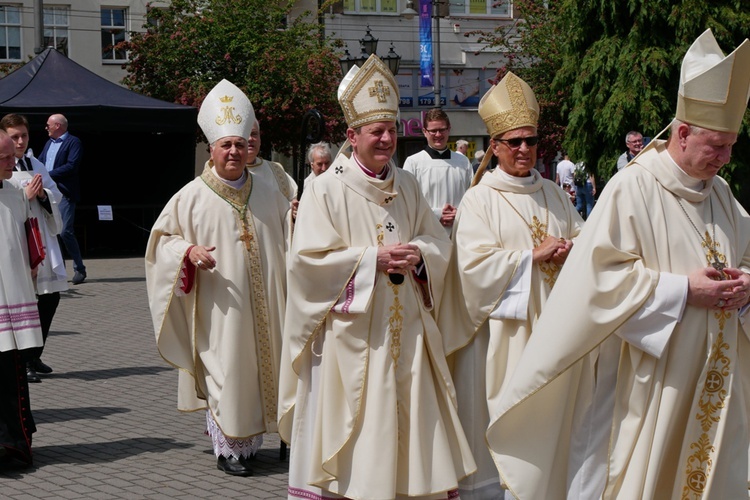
(689, 181)
(236, 184)
(445, 154)
(382, 175)
(524, 181)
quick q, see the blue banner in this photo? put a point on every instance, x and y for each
(425, 43)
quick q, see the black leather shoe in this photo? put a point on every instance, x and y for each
(234, 466)
(79, 277)
(40, 367)
(31, 375)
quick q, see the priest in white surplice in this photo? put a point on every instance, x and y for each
(443, 175)
(366, 399)
(512, 234)
(636, 381)
(215, 270)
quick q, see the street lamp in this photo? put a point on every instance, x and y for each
(368, 44)
(437, 11)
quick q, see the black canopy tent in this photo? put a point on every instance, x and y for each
(137, 151)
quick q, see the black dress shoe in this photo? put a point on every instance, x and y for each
(31, 375)
(234, 466)
(40, 367)
(79, 277)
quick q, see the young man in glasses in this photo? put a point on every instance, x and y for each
(443, 175)
(512, 234)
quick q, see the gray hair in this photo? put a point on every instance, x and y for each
(324, 149)
(461, 142)
(632, 133)
(694, 129)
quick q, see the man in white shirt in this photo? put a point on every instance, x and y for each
(443, 176)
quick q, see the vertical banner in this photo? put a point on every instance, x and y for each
(425, 43)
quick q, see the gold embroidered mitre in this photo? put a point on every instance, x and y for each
(714, 89)
(226, 111)
(509, 105)
(369, 94)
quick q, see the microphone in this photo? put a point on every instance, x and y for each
(396, 278)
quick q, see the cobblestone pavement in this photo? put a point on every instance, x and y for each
(107, 422)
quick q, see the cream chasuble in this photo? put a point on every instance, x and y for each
(274, 176)
(366, 398)
(225, 334)
(19, 317)
(491, 237)
(678, 424)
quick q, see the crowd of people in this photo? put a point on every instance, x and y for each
(440, 331)
(434, 331)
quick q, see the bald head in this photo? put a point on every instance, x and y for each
(57, 125)
(7, 156)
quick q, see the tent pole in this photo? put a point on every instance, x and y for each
(39, 26)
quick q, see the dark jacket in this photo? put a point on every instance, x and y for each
(65, 170)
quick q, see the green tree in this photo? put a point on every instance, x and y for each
(614, 66)
(285, 68)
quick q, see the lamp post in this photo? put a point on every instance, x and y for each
(436, 14)
(368, 45)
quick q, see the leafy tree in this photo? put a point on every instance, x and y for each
(285, 68)
(614, 66)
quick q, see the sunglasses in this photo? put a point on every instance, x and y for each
(516, 142)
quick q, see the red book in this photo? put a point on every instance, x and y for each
(34, 237)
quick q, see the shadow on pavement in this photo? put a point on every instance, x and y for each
(55, 415)
(107, 451)
(110, 373)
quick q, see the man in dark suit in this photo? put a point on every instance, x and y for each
(62, 156)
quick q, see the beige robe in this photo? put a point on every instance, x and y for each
(490, 240)
(19, 317)
(367, 401)
(225, 334)
(678, 425)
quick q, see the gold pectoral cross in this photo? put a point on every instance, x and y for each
(246, 236)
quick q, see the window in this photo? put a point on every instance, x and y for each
(371, 6)
(56, 28)
(496, 8)
(10, 32)
(113, 32)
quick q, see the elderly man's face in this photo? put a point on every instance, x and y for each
(705, 152)
(229, 155)
(253, 144)
(54, 129)
(7, 157)
(516, 161)
(374, 144)
(320, 162)
(635, 144)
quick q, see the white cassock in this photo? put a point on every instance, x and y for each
(441, 181)
(625, 391)
(367, 401)
(52, 276)
(224, 334)
(493, 296)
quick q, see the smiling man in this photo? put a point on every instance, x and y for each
(216, 279)
(443, 175)
(634, 384)
(366, 398)
(512, 235)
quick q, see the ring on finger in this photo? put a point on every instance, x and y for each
(721, 303)
(200, 262)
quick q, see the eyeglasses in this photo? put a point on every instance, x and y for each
(516, 142)
(436, 131)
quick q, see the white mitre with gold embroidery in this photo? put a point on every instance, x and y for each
(369, 94)
(509, 105)
(714, 89)
(226, 111)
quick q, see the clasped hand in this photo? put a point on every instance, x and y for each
(552, 249)
(399, 258)
(708, 288)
